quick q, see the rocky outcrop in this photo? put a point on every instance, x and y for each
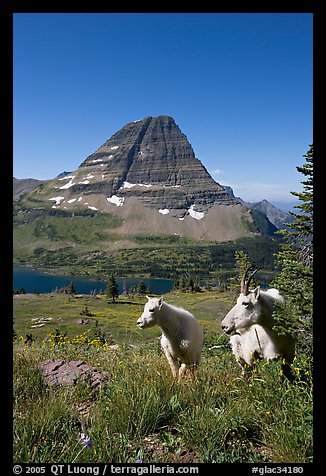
(61, 372)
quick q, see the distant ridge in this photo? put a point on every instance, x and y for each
(275, 215)
(63, 174)
(23, 186)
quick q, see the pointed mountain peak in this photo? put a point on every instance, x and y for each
(152, 152)
(150, 160)
(147, 175)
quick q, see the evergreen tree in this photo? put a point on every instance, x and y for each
(242, 263)
(295, 282)
(183, 283)
(191, 284)
(70, 289)
(196, 284)
(176, 283)
(142, 288)
(302, 228)
(112, 290)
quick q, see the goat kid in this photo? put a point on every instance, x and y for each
(182, 336)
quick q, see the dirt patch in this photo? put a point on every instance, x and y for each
(26, 296)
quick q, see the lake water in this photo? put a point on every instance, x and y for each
(34, 280)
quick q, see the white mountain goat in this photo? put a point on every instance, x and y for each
(182, 336)
(250, 323)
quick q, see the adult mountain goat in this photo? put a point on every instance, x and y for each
(182, 336)
(250, 325)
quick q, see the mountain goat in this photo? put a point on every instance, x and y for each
(250, 326)
(182, 336)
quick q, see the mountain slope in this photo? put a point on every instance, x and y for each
(147, 175)
(275, 215)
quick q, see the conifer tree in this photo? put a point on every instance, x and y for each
(112, 290)
(142, 288)
(242, 263)
(295, 281)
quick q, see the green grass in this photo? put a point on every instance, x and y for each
(142, 412)
(55, 231)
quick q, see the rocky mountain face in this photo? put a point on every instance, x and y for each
(275, 215)
(152, 160)
(147, 174)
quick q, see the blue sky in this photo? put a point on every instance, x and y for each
(239, 85)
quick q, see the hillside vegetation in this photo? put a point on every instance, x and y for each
(142, 414)
(87, 242)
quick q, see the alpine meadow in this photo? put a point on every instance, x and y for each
(89, 385)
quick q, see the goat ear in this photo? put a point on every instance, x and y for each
(160, 302)
(148, 298)
(256, 292)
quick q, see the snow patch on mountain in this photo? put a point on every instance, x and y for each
(118, 201)
(164, 211)
(194, 214)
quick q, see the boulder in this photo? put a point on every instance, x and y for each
(63, 372)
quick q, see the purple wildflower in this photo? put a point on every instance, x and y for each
(86, 441)
(139, 461)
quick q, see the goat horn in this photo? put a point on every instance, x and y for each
(251, 276)
(244, 283)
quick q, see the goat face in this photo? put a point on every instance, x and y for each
(244, 314)
(150, 314)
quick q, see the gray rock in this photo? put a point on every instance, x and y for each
(157, 159)
(62, 372)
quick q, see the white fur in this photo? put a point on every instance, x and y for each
(250, 323)
(182, 336)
